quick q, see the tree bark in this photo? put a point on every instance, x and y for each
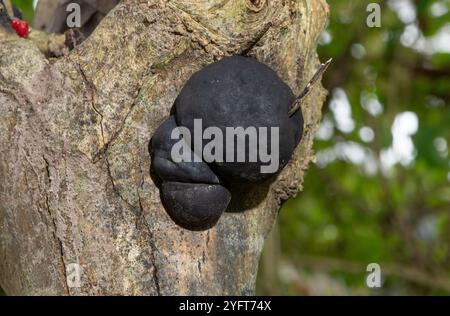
(75, 185)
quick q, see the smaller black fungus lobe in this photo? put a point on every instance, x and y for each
(187, 187)
(195, 206)
(167, 169)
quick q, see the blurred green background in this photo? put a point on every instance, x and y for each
(380, 189)
(26, 7)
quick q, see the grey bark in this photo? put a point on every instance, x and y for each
(75, 184)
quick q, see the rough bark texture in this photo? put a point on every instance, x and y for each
(75, 184)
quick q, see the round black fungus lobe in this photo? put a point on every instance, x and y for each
(191, 192)
(195, 206)
(241, 92)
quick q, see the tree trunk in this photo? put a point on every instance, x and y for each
(74, 163)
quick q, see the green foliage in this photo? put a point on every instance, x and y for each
(356, 208)
(26, 7)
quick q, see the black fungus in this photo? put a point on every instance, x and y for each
(234, 92)
(195, 206)
(241, 92)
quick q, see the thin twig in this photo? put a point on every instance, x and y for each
(296, 104)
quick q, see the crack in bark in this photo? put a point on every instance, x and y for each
(101, 153)
(92, 90)
(114, 187)
(186, 19)
(150, 233)
(122, 124)
(54, 232)
(43, 217)
(7, 92)
(59, 245)
(196, 22)
(256, 40)
(113, 138)
(152, 248)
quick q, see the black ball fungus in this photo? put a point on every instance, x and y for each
(254, 122)
(187, 187)
(167, 169)
(241, 92)
(195, 206)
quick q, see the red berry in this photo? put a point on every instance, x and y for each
(20, 26)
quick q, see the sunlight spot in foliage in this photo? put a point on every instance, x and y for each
(358, 51)
(350, 152)
(370, 103)
(410, 35)
(326, 129)
(402, 150)
(330, 233)
(439, 8)
(426, 228)
(438, 43)
(405, 10)
(325, 157)
(342, 111)
(366, 134)
(325, 38)
(441, 146)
